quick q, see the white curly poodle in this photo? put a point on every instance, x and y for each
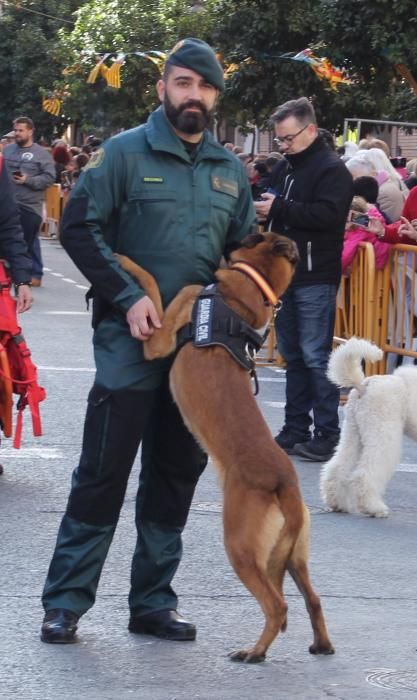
(379, 410)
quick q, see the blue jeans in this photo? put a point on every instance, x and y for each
(37, 264)
(305, 333)
(31, 222)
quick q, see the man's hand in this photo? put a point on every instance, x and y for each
(143, 319)
(24, 298)
(19, 179)
(263, 208)
(408, 228)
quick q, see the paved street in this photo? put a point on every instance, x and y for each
(363, 569)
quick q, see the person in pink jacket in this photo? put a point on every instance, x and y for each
(364, 213)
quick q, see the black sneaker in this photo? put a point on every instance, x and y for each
(286, 439)
(319, 449)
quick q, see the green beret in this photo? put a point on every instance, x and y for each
(198, 56)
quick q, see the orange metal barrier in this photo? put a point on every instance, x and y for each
(398, 318)
(378, 305)
(381, 305)
(356, 301)
(53, 203)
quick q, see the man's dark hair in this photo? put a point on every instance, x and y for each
(24, 120)
(167, 70)
(95, 142)
(366, 187)
(271, 161)
(260, 167)
(328, 139)
(81, 160)
(301, 109)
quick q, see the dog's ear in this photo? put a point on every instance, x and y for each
(285, 247)
(252, 240)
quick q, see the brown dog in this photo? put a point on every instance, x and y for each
(266, 524)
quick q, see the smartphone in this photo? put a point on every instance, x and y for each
(360, 219)
(17, 173)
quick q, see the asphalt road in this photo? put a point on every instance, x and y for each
(363, 569)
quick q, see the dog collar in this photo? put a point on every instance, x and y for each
(260, 281)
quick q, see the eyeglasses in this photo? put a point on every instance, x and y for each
(290, 138)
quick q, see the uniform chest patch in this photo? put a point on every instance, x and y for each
(154, 180)
(220, 184)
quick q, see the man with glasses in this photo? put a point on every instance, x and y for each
(313, 192)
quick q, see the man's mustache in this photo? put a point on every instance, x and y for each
(194, 103)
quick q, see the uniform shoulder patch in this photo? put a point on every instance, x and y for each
(96, 159)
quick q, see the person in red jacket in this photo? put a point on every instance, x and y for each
(405, 229)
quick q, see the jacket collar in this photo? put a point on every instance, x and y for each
(296, 160)
(162, 137)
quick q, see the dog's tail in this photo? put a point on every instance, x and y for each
(145, 279)
(345, 363)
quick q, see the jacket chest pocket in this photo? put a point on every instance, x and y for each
(214, 222)
(222, 208)
(155, 212)
(149, 201)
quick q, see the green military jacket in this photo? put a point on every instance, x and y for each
(142, 195)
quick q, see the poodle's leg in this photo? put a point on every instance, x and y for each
(336, 473)
(379, 457)
(329, 483)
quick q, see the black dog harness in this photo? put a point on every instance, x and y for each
(213, 322)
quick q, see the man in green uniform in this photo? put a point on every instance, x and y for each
(170, 197)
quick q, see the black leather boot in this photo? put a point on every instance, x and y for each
(166, 624)
(59, 627)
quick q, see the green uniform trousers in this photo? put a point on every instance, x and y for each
(116, 423)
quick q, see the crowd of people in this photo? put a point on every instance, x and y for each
(175, 200)
(31, 168)
(382, 185)
(68, 160)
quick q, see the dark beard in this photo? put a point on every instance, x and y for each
(22, 143)
(187, 123)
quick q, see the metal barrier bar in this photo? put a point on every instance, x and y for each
(379, 305)
(53, 196)
(399, 312)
